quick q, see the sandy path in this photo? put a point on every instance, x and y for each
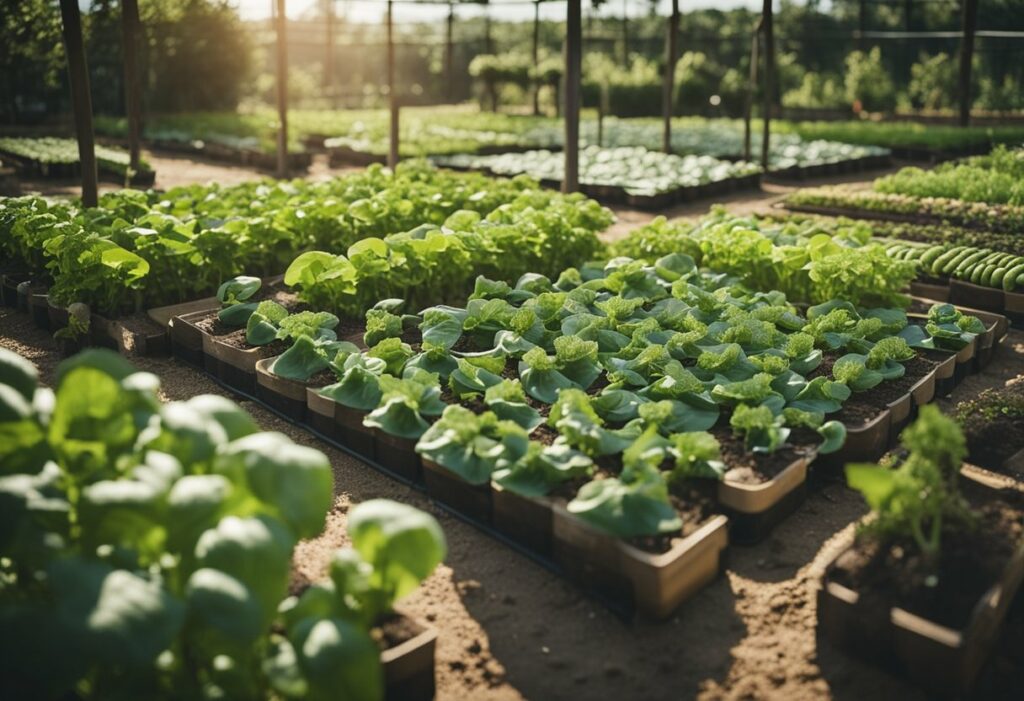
(510, 629)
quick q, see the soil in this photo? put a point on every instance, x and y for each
(857, 411)
(994, 425)
(891, 572)
(890, 391)
(756, 468)
(395, 630)
(694, 507)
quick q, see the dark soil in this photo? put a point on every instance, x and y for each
(395, 629)
(828, 359)
(857, 411)
(993, 425)
(756, 468)
(893, 573)
(891, 390)
(694, 503)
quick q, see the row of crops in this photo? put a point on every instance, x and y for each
(622, 413)
(58, 158)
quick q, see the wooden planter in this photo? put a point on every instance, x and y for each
(320, 415)
(866, 443)
(526, 520)
(968, 294)
(930, 291)
(235, 367)
(900, 413)
(754, 509)
(9, 288)
(656, 583)
(358, 438)
(471, 500)
(39, 308)
(944, 660)
(398, 455)
(162, 316)
(187, 339)
(409, 668)
(112, 333)
(285, 396)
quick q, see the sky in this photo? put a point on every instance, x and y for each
(372, 10)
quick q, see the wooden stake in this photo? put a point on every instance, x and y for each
(81, 98)
(670, 76)
(282, 90)
(392, 97)
(449, 54)
(748, 107)
(132, 92)
(573, 67)
(970, 23)
(769, 80)
(329, 53)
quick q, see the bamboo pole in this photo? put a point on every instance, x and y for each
(573, 68)
(449, 53)
(970, 23)
(81, 98)
(329, 52)
(132, 94)
(282, 90)
(670, 76)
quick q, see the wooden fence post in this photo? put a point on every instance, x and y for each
(748, 107)
(392, 97)
(282, 90)
(536, 55)
(970, 22)
(81, 98)
(769, 80)
(132, 93)
(573, 67)
(670, 76)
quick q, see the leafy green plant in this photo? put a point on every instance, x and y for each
(471, 445)
(917, 498)
(406, 403)
(190, 515)
(762, 430)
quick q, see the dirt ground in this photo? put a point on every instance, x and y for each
(510, 629)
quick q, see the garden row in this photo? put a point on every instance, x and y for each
(639, 379)
(625, 175)
(147, 547)
(51, 157)
(983, 192)
(142, 250)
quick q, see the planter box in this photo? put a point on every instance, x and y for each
(398, 455)
(320, 415)
(866, 443)
(286, 396)
(976, 296)
(58, 315)
(409, 668)
(1013, 304)
(656, 583)
(9, 288)
(235, 367)
(187, 339)
(130, 341)
(929, 291)
(163, 315)
(358, 438)
(754, 509)
(39, 308)
(471, 500)
(526, 520)
(900, 413)
(944, 660)
(924, 391)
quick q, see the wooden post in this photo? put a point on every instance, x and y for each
(573, 68)
(748, 108)
(670, 76)
(449, 53)
(329, 52)
(970, 23)
(392, 97)
(769, 79)
(132, 96)
(282, 90)
(536, 55)
(81, 98)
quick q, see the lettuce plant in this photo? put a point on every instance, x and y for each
(541, 468)
(358, 385)
(264, 322)
(947, 328)
(508, 402)
(234, 295)
(582, 428)
(833, 433)
(762, 430)
(636, 503)
(697, 455)
(395, 354)
(474, 376)
(471, 445)
(541, 376)
(406, 403)
(381, 324)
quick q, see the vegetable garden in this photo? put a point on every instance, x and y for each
(487, 407)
